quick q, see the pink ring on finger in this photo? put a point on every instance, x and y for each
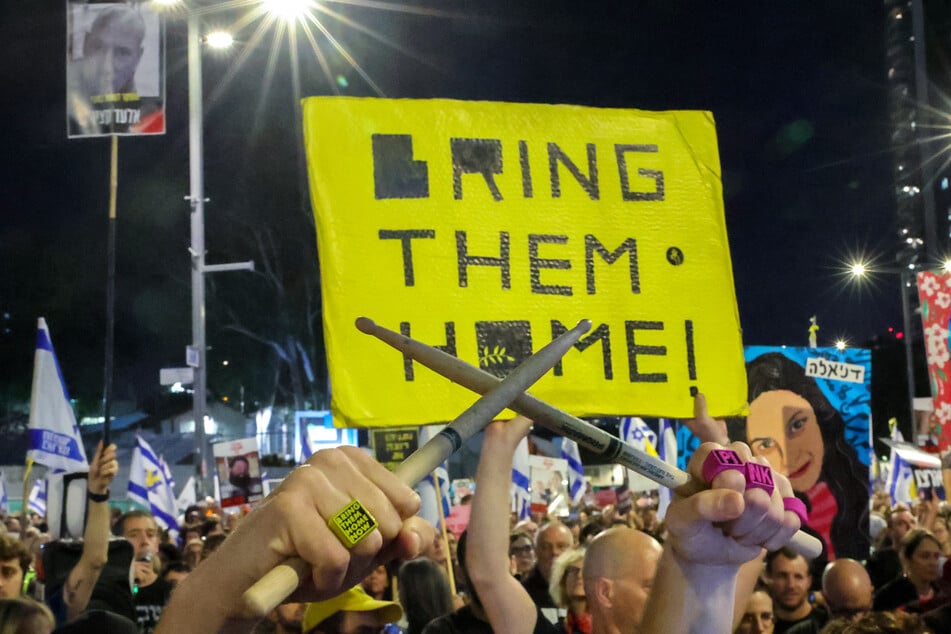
(759, 477)
(718, 461)
(795, 505)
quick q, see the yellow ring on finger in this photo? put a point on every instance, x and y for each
(352, 523)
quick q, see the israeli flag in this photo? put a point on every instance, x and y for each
(442, 477)
(151, 486)
(4, 503)
(37, 500)
(188, 497)
(635, 432)
(901, 480)
(570, 452)
(521, 473)
(427, 487)
(667, 451)
(167, 474)
(54, 436)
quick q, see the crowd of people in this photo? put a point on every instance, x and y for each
(718, 561)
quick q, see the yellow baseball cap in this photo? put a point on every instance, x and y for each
(353, 600)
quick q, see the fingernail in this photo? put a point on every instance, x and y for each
(417, 543)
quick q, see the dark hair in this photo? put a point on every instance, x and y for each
(878, 623)
(461, 547)
(189, 528)
(175, 566)
(169, 552)
(208, 524)
(842, 471)
(15, 549)
(424, 593)
(211, 544)
(590, 530)
(785, 552)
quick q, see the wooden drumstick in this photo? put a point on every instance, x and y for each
(269, 591)
(562, 423)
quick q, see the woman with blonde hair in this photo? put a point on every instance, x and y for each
(567, 589)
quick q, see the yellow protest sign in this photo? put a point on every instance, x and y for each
(487, 229)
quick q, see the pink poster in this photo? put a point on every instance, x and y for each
(934, 293)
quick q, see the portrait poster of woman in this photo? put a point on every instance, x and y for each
(809, 416)
(814, 429)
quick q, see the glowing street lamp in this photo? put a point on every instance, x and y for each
(219, 40)
(859, 272)
(289, 10)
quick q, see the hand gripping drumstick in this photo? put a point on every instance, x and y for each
(280, 582)
(558, 421)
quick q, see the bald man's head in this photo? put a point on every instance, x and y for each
(619, 568)
(552, 540)
(847, 589)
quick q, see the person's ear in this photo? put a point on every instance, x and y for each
(603, 591)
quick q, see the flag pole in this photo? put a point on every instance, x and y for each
(445, 537)
(110, 292)
(26, 489)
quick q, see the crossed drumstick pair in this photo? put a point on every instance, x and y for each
(354, 522)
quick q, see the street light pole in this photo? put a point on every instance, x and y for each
(197, 199)
(197, 249)
(907, 273)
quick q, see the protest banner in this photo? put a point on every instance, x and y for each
(239, 471)
(393, 446)
(548, 482)
(913, 474)
(934, 294)
(486, 229)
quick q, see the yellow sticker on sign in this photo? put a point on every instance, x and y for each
(488, 229)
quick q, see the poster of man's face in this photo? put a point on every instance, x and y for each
(114, 69)
(239, 472)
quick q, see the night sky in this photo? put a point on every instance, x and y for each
(797, 90)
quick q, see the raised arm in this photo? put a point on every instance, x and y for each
(83, 577)
(293, 522)
(713, 530)
(506, 602)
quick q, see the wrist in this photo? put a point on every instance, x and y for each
(94, 496)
